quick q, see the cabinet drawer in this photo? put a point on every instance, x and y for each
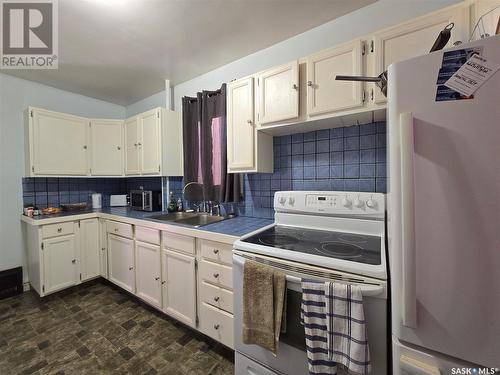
(120, 229)
(178, 242)
(147, 235)
(217, 251)
(215, 296)
(217, 324)
(217, 274)
(60, 229)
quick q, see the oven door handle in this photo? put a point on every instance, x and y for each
(366, 290)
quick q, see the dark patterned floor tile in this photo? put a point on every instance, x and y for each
(129, 324)
(44, 344)
(126, 353)
(34, 368)
(83, 351)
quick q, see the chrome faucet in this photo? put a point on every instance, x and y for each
(203, 203)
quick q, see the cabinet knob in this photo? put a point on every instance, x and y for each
(135, 144)
(309, 83)
(130, 268)
(216, 251)
(216, 275)
(73, 261)
(84, 147)
(59, 230)
(216, 299)
(118, 148)
(295, 87)
(157, 278)
(139, 144)
(103, 248)
(163, 282)
(249, 121)
(116, 229)
(216, 326)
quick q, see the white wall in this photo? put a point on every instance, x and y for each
(377, 16)
(15, 96)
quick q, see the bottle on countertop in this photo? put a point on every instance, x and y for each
(179, 205)
(171, 203)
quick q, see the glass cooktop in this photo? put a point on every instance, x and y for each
(347, 246)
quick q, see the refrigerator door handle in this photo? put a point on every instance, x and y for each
(415, 367)
(409, 288)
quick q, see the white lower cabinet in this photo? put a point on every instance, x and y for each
(103, 246)
(179, 286)
(90, 252)
(217, 324)
(147, 272)
(60, 267)
(121, 262)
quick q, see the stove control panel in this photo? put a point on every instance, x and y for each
(330, 202)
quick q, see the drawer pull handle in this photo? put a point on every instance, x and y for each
(216, 251)
(216, 299)
(157, 278)
(216, 326)
(59, 230)
(73, 261)
(216, 275)
(130, 268)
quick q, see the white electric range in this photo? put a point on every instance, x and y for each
(335, 236)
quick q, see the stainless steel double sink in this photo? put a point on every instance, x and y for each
(192, 219)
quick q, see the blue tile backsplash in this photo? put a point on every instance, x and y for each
(43, 192)
(343, 159)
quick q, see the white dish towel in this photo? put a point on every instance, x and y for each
(313, 317)
(347, 338)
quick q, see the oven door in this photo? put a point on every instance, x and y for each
(292, 358)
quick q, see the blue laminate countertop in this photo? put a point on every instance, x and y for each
(237, 226)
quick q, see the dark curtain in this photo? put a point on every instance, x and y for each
(205, 148)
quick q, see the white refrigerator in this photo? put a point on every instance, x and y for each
(444, 220)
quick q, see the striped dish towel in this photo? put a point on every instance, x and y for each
(346, 326)
(313, 317)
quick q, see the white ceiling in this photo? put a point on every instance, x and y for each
(121, 51)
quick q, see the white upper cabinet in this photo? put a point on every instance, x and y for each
(278, 93)
(324, 93)
(106, 147)
(149, 142)
(131, 130)
(90, 253)
(153, 144)
(240, 124)
(414, 38)
(58, 143)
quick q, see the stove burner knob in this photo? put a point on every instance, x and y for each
(359, 203)
(346, 202)
(291, 201)
(282, 200)
(371, 203)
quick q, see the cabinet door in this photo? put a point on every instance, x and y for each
(278, 93)
(180, 279)
(106, 147)
(147, 272)
(60, 263)
(89, 249)
(149, 142)
(121, 262)
(240, 125)
(411, 39)
(325, 94)
(131, 130)
(103, 264)
(59, 144)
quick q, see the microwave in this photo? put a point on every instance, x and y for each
(145, 200)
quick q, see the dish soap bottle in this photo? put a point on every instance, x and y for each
(179, 205)
(171, 202)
